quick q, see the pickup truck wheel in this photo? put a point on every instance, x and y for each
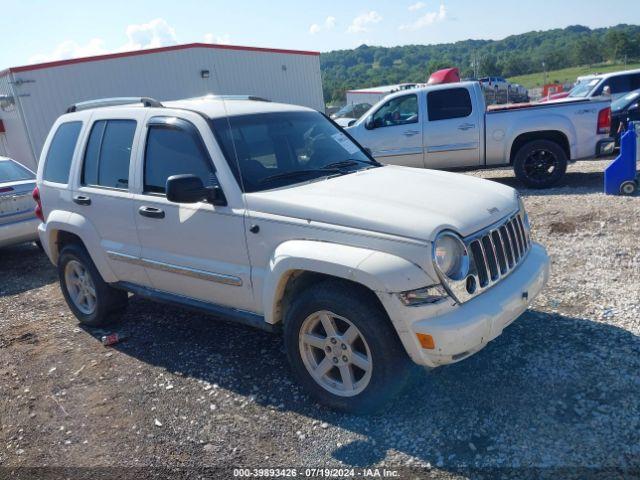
(540, 163)
(343, 349)
(89, 297)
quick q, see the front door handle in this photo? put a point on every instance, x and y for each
(151, 212)
(81, 200)
(410, 133)
(466, 126)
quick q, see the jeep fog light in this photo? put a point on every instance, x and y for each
(423, 296)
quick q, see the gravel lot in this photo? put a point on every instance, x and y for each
(558, 391)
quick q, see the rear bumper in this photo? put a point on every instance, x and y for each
(461, 330)
(19, 232)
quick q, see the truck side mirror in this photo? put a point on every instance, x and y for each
(368, 123)
(190, 189)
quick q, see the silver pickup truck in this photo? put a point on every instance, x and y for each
(449, 127)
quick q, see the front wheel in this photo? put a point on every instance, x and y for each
(343, 349)
(540, 163)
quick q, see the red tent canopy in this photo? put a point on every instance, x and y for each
(446, 75)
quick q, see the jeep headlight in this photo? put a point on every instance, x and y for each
(450, 256)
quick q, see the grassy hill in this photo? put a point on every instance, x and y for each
(566, 75)
(517, 57)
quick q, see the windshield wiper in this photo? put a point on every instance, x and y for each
(298, 173)
(351, 162)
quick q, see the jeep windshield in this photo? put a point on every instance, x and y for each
(273, 150)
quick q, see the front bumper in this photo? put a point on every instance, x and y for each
(461, 330)
(19, 232)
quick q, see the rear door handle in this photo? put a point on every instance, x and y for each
(82, 200)
(466, 126)
(410, 133)
(151, 212)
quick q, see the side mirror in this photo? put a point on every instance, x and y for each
(190, 189)
(368, 123)
(351, 123)
(634, 108)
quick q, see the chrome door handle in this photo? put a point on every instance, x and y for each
(151, 212)
(410, 133)
(466, 126)
(81, 200)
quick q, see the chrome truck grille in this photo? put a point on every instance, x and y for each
(494, 253)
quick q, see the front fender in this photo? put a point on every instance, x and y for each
(64, 221)
(378, 271)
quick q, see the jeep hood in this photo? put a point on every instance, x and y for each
(402, 201)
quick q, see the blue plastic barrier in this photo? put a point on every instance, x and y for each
(623, 168)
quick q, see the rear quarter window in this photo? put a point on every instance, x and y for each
(58, 161)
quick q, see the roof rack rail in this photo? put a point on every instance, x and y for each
(111, 102)
(237, 97)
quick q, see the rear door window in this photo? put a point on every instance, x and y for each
(450, 103)
(108, 153)
(60, 154)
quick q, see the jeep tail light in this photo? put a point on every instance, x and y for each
(38, 209)
(604, 120)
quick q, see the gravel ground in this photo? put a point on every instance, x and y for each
(558, 391)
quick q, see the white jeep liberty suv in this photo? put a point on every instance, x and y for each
(272, 216)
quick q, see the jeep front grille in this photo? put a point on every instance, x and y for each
(494, 253)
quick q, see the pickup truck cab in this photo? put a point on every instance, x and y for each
(449, 127)
(269, 215)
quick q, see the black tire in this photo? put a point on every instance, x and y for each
(391, 366)
(540, 163)
(110, 302)
(628, 188)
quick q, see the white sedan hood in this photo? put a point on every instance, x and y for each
(407, 202)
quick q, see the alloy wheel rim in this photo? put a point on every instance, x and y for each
(335, 353)
(541, 164)
(80, 286)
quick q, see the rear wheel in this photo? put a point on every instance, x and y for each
(89, 297)
(628, 188)
(540, 163)
(343, 349)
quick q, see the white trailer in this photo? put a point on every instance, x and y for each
(374, 94)
(33, 96)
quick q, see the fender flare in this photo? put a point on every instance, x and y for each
(60, 220)
(541, 123)
(378, 271)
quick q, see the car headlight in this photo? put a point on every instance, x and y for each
(450, 256)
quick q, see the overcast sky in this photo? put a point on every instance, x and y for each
(38, 31)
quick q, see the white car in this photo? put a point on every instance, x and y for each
(348, 114)
(449, 126)
(613, 85)
(269, 215)
(18, 222)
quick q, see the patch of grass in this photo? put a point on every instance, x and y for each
(567, 75)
